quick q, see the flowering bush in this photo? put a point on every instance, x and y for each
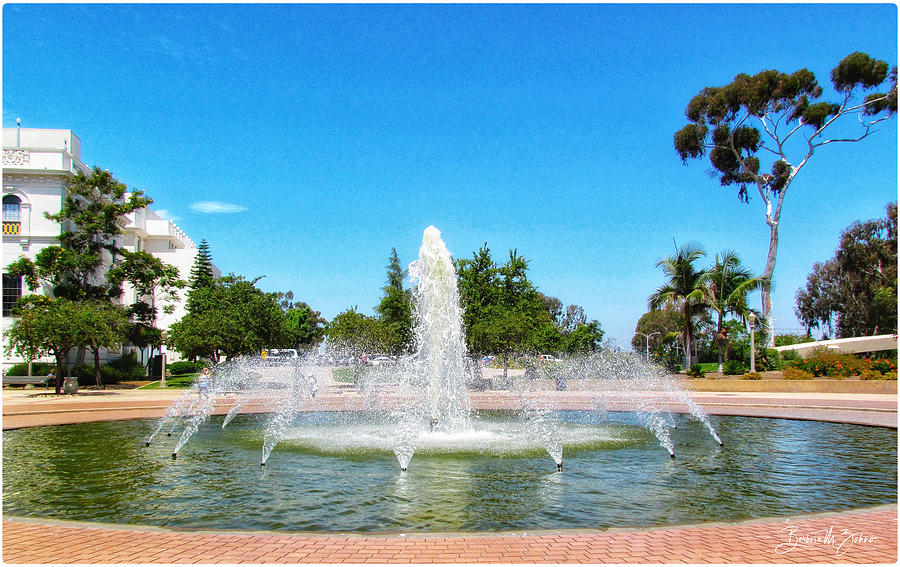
(793, 373)
(823, 362)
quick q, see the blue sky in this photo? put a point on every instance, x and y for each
(329, 134)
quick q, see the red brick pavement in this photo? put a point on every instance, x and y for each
(868, 536)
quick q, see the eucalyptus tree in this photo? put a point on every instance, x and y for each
(856, 290)
(771, 117)
(726, 286)
(683, 290)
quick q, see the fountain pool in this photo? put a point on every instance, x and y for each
(619, 478)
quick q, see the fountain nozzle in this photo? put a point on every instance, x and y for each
(148, 444)
(721, 444)
(169, 434)
(672, 455)
(434, 422)
(174, 456)
(262, 464)
(559, 467)
(403, 469)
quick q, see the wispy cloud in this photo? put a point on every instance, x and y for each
(214, 207)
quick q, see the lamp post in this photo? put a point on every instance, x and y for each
(752, 319)
(648, 341)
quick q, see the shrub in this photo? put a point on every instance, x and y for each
(37, 369)
(870, 374)
(128, 366)
(826, 362)
(185, 367)
(733, 367)
(752, 376)
(696, 371)
(794, 373)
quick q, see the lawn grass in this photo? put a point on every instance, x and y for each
(175, 382)
(344, 375)
(709, 366)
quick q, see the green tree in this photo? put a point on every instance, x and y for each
(202, 274)
(92, 217)
(856, 290)
(103, 325)
(762, 117)
(726, 286)
(586, 337)
(355, 332)
(229, 318)
(395, 309)
(306, 327)
(683, 291)
(47, 326)
(662, 324)
(478, 282)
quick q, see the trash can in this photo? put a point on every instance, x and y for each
(70, 385)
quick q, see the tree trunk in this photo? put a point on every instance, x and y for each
(719, 343)
(60, 371)
(97, 368)
(686, 364)
(766, 292)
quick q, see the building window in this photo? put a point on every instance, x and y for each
(12, 215)
(12, 291)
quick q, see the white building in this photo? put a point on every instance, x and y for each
(37, 164)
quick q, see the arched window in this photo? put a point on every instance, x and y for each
(12, 214)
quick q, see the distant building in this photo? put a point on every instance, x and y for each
(37, 164)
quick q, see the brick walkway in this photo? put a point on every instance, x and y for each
(862, 536)
(857, 537)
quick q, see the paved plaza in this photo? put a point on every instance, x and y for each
(860, 536)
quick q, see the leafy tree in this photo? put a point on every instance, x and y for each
(661, 323)
(856, 291)
(306, 327)
(104, 326)
(760, 118)
(202, 274)
(231, 317)
(726, 286)
(356, 332)
(682, 291)
(478, 282)
(395, 309)
(154, 282)
(586, 337)
(91, 216)
(47, 326)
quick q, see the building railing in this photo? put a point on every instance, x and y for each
(12, 227)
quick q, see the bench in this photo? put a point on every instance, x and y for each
(21, 380)
(70, 383)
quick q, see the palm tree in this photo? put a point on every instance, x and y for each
(683, 291)
(725, 288)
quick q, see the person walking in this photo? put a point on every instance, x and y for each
(203, 382)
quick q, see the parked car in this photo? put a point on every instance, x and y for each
(280, 355)
(548, 358)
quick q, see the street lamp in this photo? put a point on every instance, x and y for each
(648, 340)
(752, 319)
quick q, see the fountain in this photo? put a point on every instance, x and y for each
(422, 402)
(462, 467)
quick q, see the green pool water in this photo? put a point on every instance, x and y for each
(615, 475)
